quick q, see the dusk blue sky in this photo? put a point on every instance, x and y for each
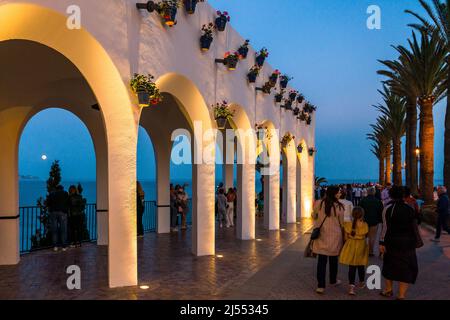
(324, 45)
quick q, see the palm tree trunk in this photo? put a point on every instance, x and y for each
(447, 135)
(398, 181)
(427, 151)
(381, 177)
(408, 168)
(411, 137)
(388, 177)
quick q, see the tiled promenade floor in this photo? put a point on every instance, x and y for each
(290, 276)
(165, 264)
(273, 268)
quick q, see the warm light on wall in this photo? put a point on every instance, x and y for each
(307, 205)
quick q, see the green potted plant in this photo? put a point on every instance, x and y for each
(146, 90)
(266, 88)
(222, 20)
(231, 60)
(292, 95)
(309, 108)
(303, 116)
(253, 73)
(300, 98)
(191, 5)
(287, 104)
(207, 37)
(311, 151)
(300, 148)
(284, 81)
(279, 96)
(296, 111)
(168, 11)
(274, 78)
(222, 114)
(261, 57)
(287, 138)
(308, 120)
(243, 50)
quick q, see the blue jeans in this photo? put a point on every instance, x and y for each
(58, 222)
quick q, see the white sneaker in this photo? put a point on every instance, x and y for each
(361, 285)
(320, 290)
(351, 290)
(55, 249)
(64, 249)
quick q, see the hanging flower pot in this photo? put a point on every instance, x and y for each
(221, 123)
(284, 81)
(143, 98)
(261, 57)
(311, 151)
(207, 38)
(293, 95)
(231, 60)
(308, 120)
(300, 148)
(191, 5)
(145, 89)
(278, 98)
(296, 111)
(243, 50)
(267, 88)
(168, 10)
(253, 74)
(274, 78)
(300, 98)
(221, 114)
(205, 42)
(288, 104)
(221, 20)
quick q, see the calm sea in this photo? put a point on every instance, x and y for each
(31, 190)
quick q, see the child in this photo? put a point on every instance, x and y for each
(355, 252)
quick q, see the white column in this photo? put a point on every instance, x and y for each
(246, 202)
(291, 185)
(228, 163)
(299, 189)
(203, 199)
(122, 231)
(272, 194)
(284, 189)
(162, 155)
(10, 126)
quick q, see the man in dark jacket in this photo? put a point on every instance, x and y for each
(373, 209)
(57, 203)
(442, 213)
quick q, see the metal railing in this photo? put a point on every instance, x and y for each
(34, 225)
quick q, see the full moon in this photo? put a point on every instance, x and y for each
(44, 157)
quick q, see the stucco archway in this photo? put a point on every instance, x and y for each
(271, 175)
(305, 182)
(182, 96)
(47, 27)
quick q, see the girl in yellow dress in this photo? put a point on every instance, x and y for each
(355, 252)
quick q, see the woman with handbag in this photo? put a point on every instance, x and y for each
(399, 240)
(327, 237)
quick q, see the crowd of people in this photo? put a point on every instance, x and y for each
(350, 218)
(66, 214)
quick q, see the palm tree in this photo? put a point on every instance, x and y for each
(397, 73)
(377, 148)
(439, 13)
(427, 75)
(319, 180)
(394, 115)
(382, 150)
